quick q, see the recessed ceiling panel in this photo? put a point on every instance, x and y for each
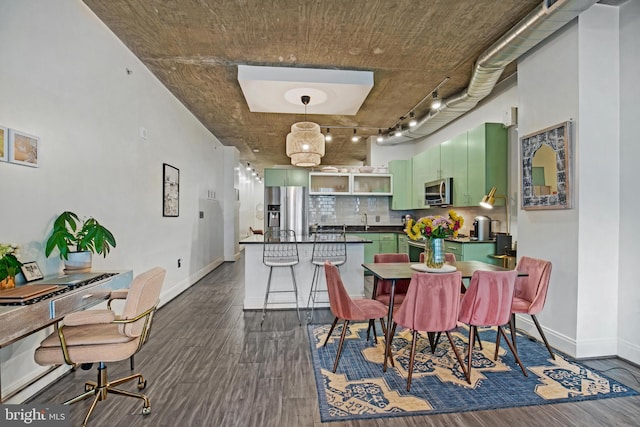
(279, 89)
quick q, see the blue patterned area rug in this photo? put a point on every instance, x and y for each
(360, 390)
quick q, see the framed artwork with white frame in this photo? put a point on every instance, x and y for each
(23, 148)
(4, 144)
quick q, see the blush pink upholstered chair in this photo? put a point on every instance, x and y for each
(531, 294)
(431, 306)
(343, 307)
(487, 302)
(100, 336)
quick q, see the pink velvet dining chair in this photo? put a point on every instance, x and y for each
(531, 294)
(343, 307)
(431, 305)
(382, 288)
(487, 302)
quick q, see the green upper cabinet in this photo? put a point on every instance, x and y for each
(433, 171)
(419, 175)
(402, 179)
(426, 168)
(286, 178)
(487, 162)
(446, 159)
(460, 173)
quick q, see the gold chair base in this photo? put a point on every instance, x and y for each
(102, 388)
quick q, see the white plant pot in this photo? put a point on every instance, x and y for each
(78, 261)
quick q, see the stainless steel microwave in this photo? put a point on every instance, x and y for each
(438, 193)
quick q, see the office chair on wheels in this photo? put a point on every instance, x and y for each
(101, 336)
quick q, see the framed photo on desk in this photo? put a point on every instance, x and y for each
(31, 271)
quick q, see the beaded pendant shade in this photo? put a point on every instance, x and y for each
(305, 143)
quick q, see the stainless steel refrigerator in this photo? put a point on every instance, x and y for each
(287, 209)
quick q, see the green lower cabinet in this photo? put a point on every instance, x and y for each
(477, 251)
(403, 244)
(370, 249)
(383, 243)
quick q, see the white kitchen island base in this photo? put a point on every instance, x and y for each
(256, 275)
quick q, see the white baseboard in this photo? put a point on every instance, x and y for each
(185, 284)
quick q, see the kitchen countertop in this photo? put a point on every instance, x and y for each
(259, 239)
(458, 240)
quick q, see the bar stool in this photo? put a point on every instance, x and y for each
(280, 250)
(330, 245)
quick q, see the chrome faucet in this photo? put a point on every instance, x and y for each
(366, 221)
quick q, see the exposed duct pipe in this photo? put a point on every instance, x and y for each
(540, 23)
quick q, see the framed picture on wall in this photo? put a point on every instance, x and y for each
(545, 160)
(170, 190)
(4, 144)
(23, 148)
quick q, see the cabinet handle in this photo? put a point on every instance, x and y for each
(453, 248)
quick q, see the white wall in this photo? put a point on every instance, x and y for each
(64, 78)
(629, 295)
(599, 159)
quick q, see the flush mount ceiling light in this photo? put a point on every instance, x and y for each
(305, 142)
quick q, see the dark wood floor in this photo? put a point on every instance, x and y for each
(208, 363)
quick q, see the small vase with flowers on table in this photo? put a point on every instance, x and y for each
(433, 230)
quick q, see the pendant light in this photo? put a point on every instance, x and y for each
(305, 142)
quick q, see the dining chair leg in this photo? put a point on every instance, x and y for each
(344, 332)
(295, 291)
(512, 330)
(411, 359)
(311, 301)
(383, 326)
(333, 325)
(434, 339)
(467, 374)
(472, 336)
(372, 325)
(513, 350)
(535, 320)
(388, 348)
(266, 297)
(478, 338)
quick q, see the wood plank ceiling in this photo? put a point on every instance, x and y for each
(195, 46)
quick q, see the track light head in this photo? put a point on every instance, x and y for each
(412, 120)
(328, 136)
(380, 138)
(436, 103)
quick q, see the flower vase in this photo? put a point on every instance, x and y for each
(8, 283)
(434, 253)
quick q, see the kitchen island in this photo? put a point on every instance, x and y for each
(256, 274)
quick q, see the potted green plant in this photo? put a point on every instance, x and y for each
(9, 265)
(76, 240)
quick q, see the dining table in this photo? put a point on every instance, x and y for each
(395, 271)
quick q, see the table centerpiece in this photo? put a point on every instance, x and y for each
(433, 230)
